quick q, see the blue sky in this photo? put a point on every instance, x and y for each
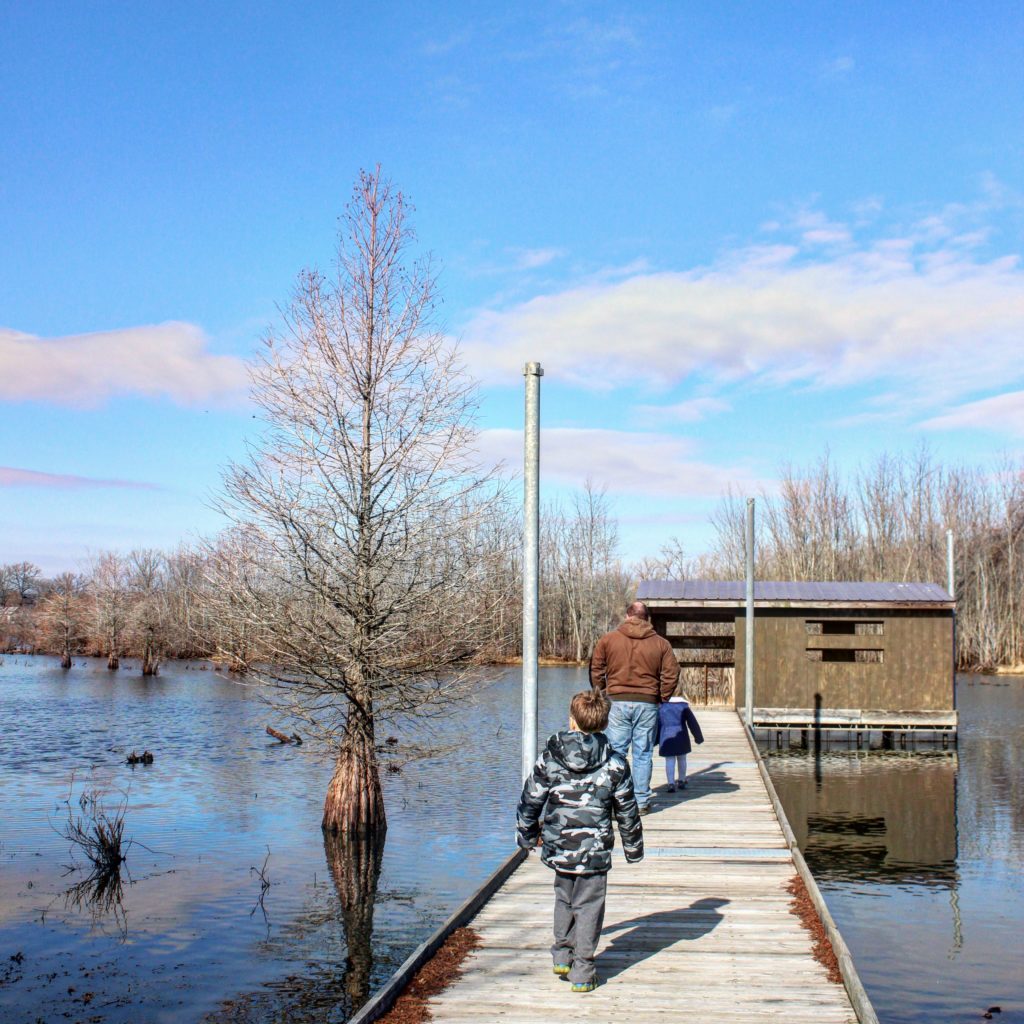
(732, 233)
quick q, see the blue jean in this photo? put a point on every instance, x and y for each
(631, 722)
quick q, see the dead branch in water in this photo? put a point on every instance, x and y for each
(282, 738)
(265, 884)
(99, 835)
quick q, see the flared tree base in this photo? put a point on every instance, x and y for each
(354, 804)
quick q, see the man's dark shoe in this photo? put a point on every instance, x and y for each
(646, 809)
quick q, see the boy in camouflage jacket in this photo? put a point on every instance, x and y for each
(583, 782)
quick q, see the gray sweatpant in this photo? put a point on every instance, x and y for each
(579, 917)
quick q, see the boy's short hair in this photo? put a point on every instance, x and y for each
(589, 710)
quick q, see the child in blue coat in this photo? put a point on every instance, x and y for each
(676, 721)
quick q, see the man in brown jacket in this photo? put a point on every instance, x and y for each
(636, 670)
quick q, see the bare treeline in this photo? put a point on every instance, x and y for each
(151, 605)
(887, 521)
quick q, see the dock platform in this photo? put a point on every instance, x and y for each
(700, 930)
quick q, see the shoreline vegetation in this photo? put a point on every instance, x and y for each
(885, 522)
(215, 665)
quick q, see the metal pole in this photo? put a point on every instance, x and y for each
(951, 587)
(950, 571)
(748, 654)
(531, 561)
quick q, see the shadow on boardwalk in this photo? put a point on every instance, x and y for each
(706, 782)
(640, 938)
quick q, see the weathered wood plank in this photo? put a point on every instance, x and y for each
(703, 928)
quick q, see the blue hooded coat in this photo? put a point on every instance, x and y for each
(675, 723)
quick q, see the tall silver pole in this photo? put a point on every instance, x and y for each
(531, 561)
(951, 587)
(950, 571)
(748, 654)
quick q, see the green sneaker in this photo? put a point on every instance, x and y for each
(585, 986)
(561, 969)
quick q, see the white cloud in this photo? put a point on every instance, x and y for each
(722, 113)
(531, 259)
(653, 464)
(839, 67)
(692, 410)
(817, 229)
(11, 476)
(443, 47)
(168, 360)
(1000, 413)
(930, 321)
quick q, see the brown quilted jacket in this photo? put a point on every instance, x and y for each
(634, 663)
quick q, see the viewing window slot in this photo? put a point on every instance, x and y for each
(844, 627)
(860, 657)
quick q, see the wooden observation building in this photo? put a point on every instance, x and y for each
(853, 657)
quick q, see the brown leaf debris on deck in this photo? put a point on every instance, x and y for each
(433, 977)
(803, 907)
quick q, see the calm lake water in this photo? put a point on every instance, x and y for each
(919, 855)
(190, 941)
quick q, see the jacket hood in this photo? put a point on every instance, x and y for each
(580, 751)
(637, 630)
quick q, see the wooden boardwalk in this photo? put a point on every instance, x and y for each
(699, 932)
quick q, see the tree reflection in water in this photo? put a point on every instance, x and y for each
(337, 975)
(101, 893)
(354, 863)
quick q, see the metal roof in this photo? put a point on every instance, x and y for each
(789, 590)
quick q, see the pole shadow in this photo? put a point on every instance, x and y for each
(640, 938)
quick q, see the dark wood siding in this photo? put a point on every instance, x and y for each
(914, 675)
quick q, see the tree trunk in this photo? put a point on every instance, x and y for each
(150, 661)
(65, 660)
(355, 804)
(113, 662)
(354, 863)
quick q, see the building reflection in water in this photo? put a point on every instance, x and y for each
(884, 817)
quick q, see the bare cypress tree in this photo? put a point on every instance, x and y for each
(365, 501)
(110, 586)
(62, 618)
(149, 624)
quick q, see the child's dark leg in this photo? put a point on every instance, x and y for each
(565, 926)
(588, 896)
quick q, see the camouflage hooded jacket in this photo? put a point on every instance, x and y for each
(583, 782)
